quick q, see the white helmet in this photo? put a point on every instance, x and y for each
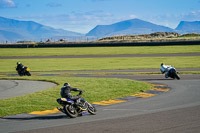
(66, 84)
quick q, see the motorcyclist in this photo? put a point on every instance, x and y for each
(165, 69)
(20, 67)
(66, 93)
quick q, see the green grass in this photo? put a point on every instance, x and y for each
(98, 50)
(190, 72)
(96, 89)
(143, 73)
(8, 65)
(189, 35)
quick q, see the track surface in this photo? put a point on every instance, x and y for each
(174, 111)
(12, 88)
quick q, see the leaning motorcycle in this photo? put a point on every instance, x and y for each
(73, 109)
(25, 71)
(173, 73)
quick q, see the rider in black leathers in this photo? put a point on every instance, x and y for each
(66, 93)
(20, 67)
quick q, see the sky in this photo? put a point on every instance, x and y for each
(83, 15)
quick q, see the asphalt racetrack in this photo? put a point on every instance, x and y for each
(12, 88)
(177, 110)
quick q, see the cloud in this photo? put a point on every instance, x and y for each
(132, 16)
(172, 20)
(191, 16)
(78, 21)
(54, 4)
(7, 4)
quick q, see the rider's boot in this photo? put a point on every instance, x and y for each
(166, 75)
(60, 109)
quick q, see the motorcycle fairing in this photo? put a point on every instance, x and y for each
(171, 70)
(66, 100)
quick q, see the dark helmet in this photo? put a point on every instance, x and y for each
(66, 84)
(18, 63)
(161, 64)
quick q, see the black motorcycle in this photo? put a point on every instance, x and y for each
(73, 109)
(173, 73)
(24, 71)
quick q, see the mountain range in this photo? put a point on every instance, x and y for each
(128, 27)
(188, 27)
(15, 30)
(137, 26)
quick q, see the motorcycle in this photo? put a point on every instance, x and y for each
(72, 109)
(25, 71)
(173, 73)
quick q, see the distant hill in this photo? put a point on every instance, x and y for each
(188, 27)
(8, 35)
(15, 30)
(128, 27)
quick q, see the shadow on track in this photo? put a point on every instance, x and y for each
(156, 79)
(49, 117)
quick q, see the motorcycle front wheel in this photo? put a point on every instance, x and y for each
(70, 111)
(176, 76)
(91, 109)
(28, 73)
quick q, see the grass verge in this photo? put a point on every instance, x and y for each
(143, 73)
(100, 89)
(98, 50)
(8, 65)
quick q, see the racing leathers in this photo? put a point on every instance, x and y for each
(66, 93)
(165, 69)
(20, 67)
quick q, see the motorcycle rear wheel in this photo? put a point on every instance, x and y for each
(70, 111)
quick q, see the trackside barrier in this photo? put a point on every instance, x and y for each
(113, 44)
